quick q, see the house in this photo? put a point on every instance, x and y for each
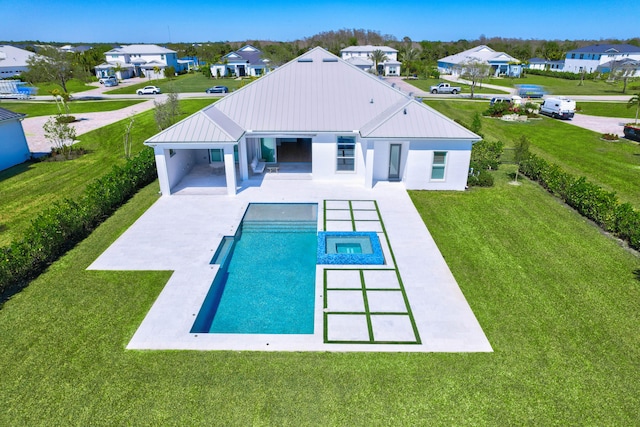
(501, 63)
(347, 125)
(136, 60)
(627, 67)
(589, 58)
(13, 144)
(246, 61)
(545, 64)
(360, 56)
(13, 61)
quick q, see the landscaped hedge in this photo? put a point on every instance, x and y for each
(587, 198)
(56, 230)
(563, 74)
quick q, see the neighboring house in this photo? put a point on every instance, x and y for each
(246, 61)
(75, 49)
(501, 63)
(545, 64)
(360, 56)
(347, 125)
(13, 61)
(135, 60)
(13, 144)
(626, 67)
(589, 58)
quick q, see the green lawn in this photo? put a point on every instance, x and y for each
(614, 166)
(29, 188)
(606, 109)
(425, 84)
(47, 108)
(554, 85)
(185, 83)
(73, 86)
(556, 298)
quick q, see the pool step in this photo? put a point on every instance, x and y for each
(279, 226)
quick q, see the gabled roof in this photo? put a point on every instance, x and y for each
(480, 53)
(246, 54)
(316, 92)
(140, 49)
(208, 125)
(607, 48)
(6, 115)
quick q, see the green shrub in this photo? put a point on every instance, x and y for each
(486, 155)
(57, 229)
(498, 109)
(65, 119)
(482, 178)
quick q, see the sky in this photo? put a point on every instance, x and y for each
(162, 21)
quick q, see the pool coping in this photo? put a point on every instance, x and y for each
(156, 241)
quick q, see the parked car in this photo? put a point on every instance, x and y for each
(111, 82)
(632, 132)
(218, 89)
(148, 90)
(445, 88)
(559, 108)
(102, 80)
(514, 99)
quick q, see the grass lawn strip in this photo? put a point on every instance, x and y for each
(367, 311)
(614, 166)
(48, 108)
(557, 298)
(29, 188)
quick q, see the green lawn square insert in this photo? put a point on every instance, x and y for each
(365, 305)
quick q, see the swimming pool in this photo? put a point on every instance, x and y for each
(266, 281)
(354, 247)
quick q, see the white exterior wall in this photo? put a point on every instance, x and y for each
(417, 172)
(588, 65)
(13, 144)
(171, 169)
(324, 151)
(381, 159)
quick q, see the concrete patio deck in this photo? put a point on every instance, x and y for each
(181, 233)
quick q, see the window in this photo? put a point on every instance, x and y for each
(346, 157)
(439, 162)
(581, 55)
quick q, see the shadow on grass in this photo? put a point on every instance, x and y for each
(16, 170)
(636, 273)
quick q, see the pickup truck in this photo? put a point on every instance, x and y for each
(444, 88)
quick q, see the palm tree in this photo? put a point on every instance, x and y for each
(378, 56)
(409, 55)
(635, 102)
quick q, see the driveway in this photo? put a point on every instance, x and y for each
(600, 124)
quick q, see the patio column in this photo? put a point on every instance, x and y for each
(230, 169)
(163, 172)
(368, 163)
(242, 159)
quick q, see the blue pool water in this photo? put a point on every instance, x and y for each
(266, 281)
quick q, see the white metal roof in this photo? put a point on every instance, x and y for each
(13, 57)
(317, 92)
(140, 49)
(479, 53)
(368, 49)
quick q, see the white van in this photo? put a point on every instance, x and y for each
(559, 108)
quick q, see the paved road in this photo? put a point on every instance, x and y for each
(87, 122)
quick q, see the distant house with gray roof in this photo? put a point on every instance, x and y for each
(500, 62)
(589, 58)
(136, 60)
(321, 113)
(246, 61)
(13, 144)
(13, 61)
